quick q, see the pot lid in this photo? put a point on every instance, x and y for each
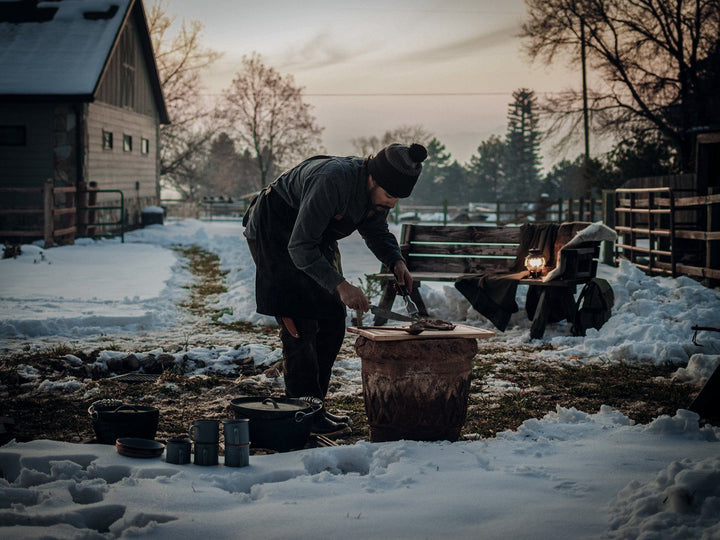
(271, 405)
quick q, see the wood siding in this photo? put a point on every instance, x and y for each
(29, 165)
(116, 168)
(126, 83)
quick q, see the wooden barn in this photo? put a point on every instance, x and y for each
(80, 110)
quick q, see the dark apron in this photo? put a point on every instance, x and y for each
(281, 289)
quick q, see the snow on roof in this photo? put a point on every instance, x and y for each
(61, 56)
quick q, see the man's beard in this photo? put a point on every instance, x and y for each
(377, 208)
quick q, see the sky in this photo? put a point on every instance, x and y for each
(568, 474)
(449, 66)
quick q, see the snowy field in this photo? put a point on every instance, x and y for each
(571, 474)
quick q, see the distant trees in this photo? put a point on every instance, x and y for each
(658, 62)
(509, 168)
(181, 59)
(522, 153)
(406, 134)
(265, 112)
(487, 169)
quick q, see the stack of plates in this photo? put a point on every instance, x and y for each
(142, 448)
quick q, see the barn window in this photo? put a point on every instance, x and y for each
(144, 146)
(107, 140)
(127, 143)
(13, 136)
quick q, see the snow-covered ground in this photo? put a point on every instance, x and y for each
(571, 474)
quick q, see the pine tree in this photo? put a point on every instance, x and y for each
(522, 161)
(487, 172)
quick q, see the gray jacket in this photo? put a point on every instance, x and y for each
(331, 198)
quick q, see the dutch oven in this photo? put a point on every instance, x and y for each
(112, 419)
(279, 424)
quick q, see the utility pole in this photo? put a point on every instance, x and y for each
(586, 123)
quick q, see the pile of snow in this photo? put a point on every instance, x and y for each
(568, 475)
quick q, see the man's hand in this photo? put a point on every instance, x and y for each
(402, 274)
(353, 297)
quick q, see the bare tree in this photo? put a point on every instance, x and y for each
(181, 58)
(405, 134)
(265, 112)
(658, 62)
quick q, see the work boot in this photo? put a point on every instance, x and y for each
(344, 419)
(321, 425)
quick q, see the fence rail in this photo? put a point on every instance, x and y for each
(669, 231)
(66, 211)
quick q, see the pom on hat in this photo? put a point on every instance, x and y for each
(396, 168)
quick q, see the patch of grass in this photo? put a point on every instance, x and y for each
(209, 280)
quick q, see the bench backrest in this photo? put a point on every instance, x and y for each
(459, 249)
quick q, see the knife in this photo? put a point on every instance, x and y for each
(387, 314)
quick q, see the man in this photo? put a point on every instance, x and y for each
(292, 229)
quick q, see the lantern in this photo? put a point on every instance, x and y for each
(535, 262)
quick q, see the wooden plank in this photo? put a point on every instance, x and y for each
(63, 211)
(20, 190)
(386, 334)
(37, 234)
(21, 211)
(507, 251)
(63, 232)
(419, 276)
(698, 235)
(457, 266)
(467, 234)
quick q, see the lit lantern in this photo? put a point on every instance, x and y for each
(535, 262)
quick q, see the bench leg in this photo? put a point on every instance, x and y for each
(386, 301)
(538, 324)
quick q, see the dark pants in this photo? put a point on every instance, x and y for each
(308, 359)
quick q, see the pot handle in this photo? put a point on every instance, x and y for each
(300, 416)
(124, 406)
(271, 400)
(102, 402)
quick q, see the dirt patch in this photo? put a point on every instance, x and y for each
(45, 394)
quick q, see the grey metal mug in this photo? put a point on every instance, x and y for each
(205, 431)
(236, 431)
(237, 455)
(178, 451)
(206, 453)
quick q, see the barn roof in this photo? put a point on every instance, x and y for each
(59, 49)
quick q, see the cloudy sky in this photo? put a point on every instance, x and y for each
(367, 67)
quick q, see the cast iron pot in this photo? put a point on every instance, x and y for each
(279, 424)
(112, 419)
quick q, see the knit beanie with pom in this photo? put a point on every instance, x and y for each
(396, 168)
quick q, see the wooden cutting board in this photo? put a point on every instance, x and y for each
(387, 334)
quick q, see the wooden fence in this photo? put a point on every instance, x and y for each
(57, 214)
(669, 231)
(53, 203)
(505, 212)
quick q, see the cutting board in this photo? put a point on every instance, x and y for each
(387, 334)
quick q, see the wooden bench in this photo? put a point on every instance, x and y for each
(448, 253)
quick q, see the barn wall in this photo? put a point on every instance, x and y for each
(31, 164)
(130, 170)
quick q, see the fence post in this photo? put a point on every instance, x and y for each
(92, 213)
(712, 248)
(81, 202)
(445, 220)
(560, 210)
(608, 217)
(48, 213)
(497, 212)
